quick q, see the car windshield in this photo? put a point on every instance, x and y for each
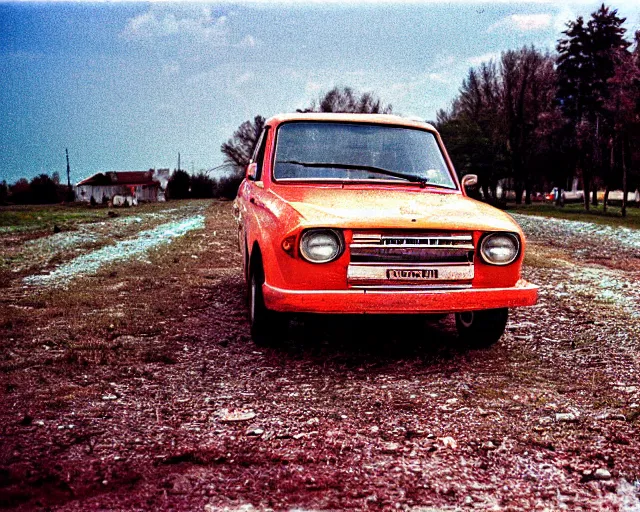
(353, 151)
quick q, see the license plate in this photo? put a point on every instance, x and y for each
(366, 273)
(422, 274)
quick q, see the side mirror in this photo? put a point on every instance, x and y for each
(469, 180)
(252, 171)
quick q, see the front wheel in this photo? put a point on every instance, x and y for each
(266, 325)
(481, 329)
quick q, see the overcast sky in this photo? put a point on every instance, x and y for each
(126, 86)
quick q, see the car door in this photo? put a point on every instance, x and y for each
(248, 204)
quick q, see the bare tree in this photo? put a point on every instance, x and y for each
(239, 148)
(474, 129)
(345, 99)
(622, 106)
(496, 118)
(527, 93)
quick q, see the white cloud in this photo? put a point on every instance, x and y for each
(523, 22)
(404, 90)
(170, 68)
(200, 25)
(249, 41)
(413, 85)
(438, 77)
(620, 4)
(563, 16)
(485, 57)
(314, 87)
(244, 78)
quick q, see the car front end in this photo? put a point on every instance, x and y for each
(365, 214)
(397, 263)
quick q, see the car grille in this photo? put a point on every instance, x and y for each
(410, 260)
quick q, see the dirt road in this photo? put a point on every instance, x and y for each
(139, 388)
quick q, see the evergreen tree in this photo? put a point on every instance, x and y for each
(202, 186)
(179, 186)
(586, 62)
(574, 70)
(43, 190)
(607, 44)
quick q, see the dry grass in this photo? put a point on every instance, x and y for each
(84, 322)
(545, 257)
(576, 211)
(29, 218)
(35, 249)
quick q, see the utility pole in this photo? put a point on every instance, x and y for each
(178, 160)
(70, 195)
(68, 170)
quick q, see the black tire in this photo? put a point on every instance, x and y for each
(482, 329)
(247, 278)
(267, 326)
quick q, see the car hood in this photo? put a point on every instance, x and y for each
(409, 208)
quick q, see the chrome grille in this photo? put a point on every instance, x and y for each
(429, 241)
(390, 260)
(423, 248)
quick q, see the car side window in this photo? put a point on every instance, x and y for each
(258, 153)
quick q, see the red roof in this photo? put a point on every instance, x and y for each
(121, 178)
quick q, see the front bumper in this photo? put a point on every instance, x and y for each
(399, 301)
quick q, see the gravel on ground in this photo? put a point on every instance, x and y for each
(146, 392)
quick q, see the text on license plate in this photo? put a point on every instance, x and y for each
(413, 274)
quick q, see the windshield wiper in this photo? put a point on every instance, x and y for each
(353, 167)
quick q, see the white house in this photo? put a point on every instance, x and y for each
(134, 186)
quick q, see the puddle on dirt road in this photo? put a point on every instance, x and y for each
(133, 247)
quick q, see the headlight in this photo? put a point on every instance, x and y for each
(500, 248)
(321, 245)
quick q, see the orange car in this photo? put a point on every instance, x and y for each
(360, 213)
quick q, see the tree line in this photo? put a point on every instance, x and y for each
(183, 185)
(45, 189)
(529, 120)
(538, 120)
(42, 189)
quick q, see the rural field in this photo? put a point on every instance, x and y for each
(126, 363)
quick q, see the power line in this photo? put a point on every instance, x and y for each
(228, 164)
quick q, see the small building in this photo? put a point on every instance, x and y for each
(121, 187)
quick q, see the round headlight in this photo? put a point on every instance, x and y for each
(500, 248)
(320, 245)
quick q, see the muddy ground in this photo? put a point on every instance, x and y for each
(119, 391)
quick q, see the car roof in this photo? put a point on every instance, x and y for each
(351, 118)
